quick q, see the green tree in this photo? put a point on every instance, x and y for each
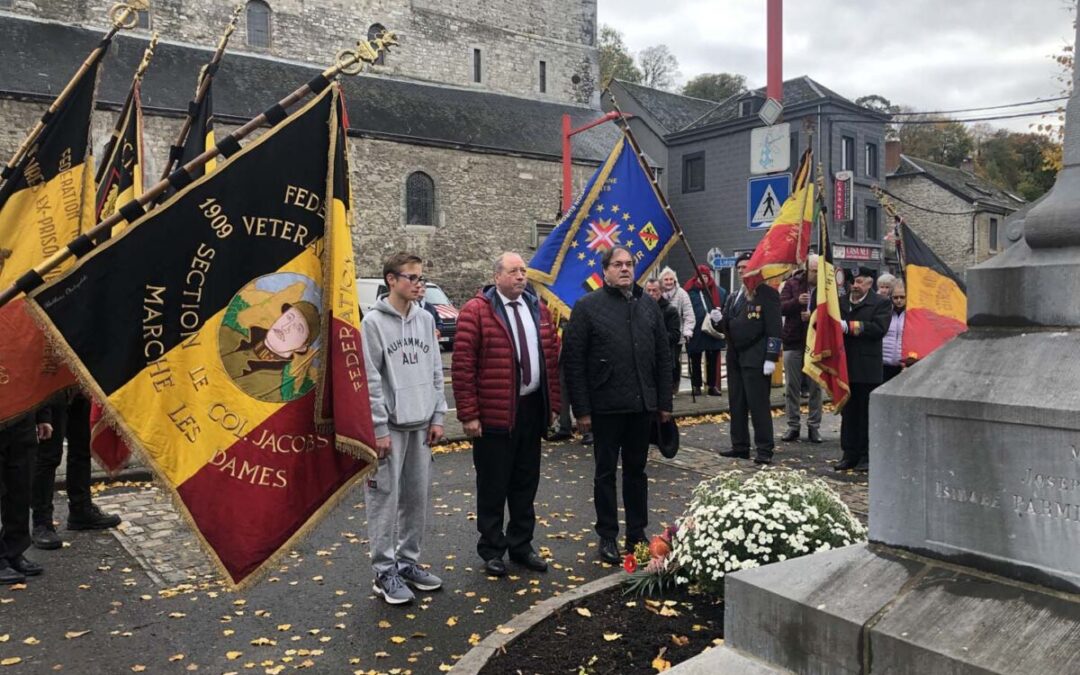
(945, 142)
(1016, 162)
(715, 86)
(615, 60)
(659, 67)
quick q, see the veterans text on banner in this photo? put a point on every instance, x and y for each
(232, 353)
(45, 202)
(620, 206)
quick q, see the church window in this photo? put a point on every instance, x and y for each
(258, 24)
(419, 199)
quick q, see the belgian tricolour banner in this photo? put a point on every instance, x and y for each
(200, 136)
(620, 205)
(787, 243)
(46, 201)
(936, 298)
(221, 334)
(825, 359)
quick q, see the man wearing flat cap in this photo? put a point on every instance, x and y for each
(865, 320)
(751, 322)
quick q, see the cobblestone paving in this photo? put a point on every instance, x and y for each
(155, 534)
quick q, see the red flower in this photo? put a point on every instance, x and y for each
(629, 563)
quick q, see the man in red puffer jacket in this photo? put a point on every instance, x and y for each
(506, 386)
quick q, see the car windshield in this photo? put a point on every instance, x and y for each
(436, 297)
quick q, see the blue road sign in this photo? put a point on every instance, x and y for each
(723, 262)
(764, 196)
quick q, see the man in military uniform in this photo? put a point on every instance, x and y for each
(865, 318)
(271, 363)
(751, 323)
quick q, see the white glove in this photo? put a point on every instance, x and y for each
(843, 325)
(716, 315)
(769, 369)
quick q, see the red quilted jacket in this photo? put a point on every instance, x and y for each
(485, 369)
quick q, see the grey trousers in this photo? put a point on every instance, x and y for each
(793, 363)
(396, 499)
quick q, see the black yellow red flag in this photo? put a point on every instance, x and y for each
(825, 359)
(200, 137)
(787, 243)
(936, 298)
(46, 201)
(221, 334)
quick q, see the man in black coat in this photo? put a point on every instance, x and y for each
(865, 319)
(618, 369)
(673, 324)
(751, 323)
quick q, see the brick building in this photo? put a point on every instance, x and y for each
(455, 137)
(958, 214)
(706, 151)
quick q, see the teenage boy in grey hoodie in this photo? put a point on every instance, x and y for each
(405, 384)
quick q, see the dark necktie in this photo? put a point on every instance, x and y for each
(522, 347)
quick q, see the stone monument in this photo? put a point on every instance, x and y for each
(973, 564)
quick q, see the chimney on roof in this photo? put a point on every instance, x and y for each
(892, 155)
(968, 164)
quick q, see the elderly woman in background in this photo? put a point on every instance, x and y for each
(885, 284)
(680, 300)
(892, 346)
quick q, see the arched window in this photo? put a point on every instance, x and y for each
(419, 199)
(372, 33)
(258, 24)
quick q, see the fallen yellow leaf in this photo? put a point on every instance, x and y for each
(660, 664)
(680, 640)
(284, 626)
(474, 639)
(232, 656)
(275, 670)
(138, 668)
(397, 639)
(177, 615)
(10, 661)
(5, 637)
(264, 642)
(452, 621)
(384, 624)
(72, 634)
(505, 630)
(611, 637)
(176, 657)
(584, 612)
(443, 668)
(31, 641)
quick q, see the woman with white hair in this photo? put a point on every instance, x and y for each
(680, 300)
(885, 284)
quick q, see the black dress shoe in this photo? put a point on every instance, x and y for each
(790, 435)
(23, 566)
(45, 538)
(763, 459)
(495, 567)
(845, 464)
(713, 391)
(532, 561)
(863, 465)
(586, 438)
(91, 518)
(609, 552)
(735, 454)
(9, 576)
(814, 435)
(696, 391)
(560, 436)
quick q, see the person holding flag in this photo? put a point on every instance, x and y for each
(865, 318)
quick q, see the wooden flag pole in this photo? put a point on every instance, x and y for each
(347, 61)
(148, 54)
(123, 15)
(625, 126)
(205, 75)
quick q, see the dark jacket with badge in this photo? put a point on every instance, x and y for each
(702, 341)
(793, 335)
(752, 327)
(672, 323)
(616, 355)
(868, 322)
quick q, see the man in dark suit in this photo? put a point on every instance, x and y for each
(751, 323)
(865, 319)
(506, 384)
(618, 368)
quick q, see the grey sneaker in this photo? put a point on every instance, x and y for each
(392, 589)
(418, 577)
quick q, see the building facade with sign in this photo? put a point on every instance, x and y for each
(711, 160)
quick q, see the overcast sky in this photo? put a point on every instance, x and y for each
(928, 54)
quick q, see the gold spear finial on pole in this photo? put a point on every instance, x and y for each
(125, 15)
(147, 56)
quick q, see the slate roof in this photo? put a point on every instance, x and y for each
(672, 111)
(963, 184)
(40, 57)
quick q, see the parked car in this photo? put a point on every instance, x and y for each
(369, 290)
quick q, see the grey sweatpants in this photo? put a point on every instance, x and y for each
(793, 375)
(396, 499)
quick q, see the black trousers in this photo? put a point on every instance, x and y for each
(891, 372)
(748, 393)
(566, 424)
(507, 475)
(855, 422)
(676, 366)
(71, 421)
(710, 368)
(17, 444)
(624, 434)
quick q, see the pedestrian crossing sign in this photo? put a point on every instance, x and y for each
(765, 195)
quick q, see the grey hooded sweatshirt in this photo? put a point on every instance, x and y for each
(404, 369)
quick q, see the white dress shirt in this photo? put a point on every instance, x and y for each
(532, 339)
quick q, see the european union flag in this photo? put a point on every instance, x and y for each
(619, 206)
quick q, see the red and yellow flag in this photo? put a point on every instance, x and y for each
(936, 298)
(787, 243)
(221, 334)
(825, 359)
(46, 201)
